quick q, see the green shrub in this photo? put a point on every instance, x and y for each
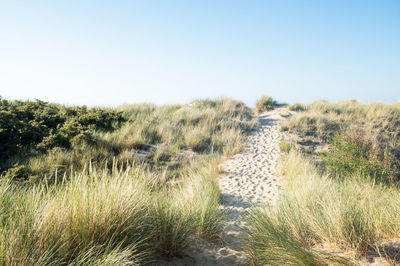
(298, 107)
(352, 156)
(29, 128)
(266, 103)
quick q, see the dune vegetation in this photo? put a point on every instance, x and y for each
(341, 202)
(364, 138)
(40, 137)
(136, 183)
(266, 103)
(122, 186)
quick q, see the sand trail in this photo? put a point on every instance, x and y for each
(250, 179)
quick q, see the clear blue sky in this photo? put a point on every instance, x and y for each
(113, 52)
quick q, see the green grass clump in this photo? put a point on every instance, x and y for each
(352, 216)
(189, 209)
(269, 244)
(266, 103)
(285, 146)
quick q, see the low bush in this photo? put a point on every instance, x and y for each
(298, 107)
(354, 156)
(31, 128)
(266, 103)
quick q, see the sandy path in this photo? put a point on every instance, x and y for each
(250, 179)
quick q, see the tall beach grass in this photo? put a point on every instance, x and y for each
(123, 216)
(364, 138)
(318, 220)
(143, 190)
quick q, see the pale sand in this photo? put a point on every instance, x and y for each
(251, 179)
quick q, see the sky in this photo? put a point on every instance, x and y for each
(107, 53)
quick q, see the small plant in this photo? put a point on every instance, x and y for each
(285, 146)
(298, 107)
(266, 103)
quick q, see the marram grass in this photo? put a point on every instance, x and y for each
(351, 217)
(120, 217)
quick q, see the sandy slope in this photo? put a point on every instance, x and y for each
(250, 178)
